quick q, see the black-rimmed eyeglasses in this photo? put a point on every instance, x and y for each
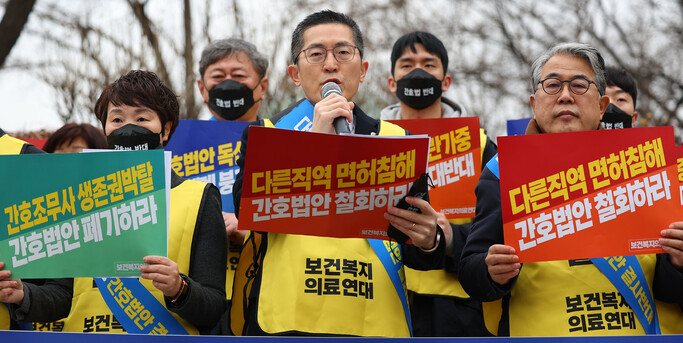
(578, 86)
(342, 53)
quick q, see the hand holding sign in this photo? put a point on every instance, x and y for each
(502, 262)
(334, 186)
(454, 162)
(103, 211)
(672, 243)
(420, 227)
(11, 290)
(597, 193)
(164, 274)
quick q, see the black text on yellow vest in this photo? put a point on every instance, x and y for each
(566, 298)
(87, 304)
(284, 306)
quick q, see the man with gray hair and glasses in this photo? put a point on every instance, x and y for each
(541, 298)
(232, 72)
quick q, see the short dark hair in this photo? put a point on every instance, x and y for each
(324, 17)
(140, 88)
(619, 77)
(222, 48)
(432, 44)
(93, 136)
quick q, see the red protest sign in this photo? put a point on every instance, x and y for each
(588, 194)
(454, 162)
(326, 185)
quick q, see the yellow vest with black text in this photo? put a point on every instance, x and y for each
(88, 307)
(439, 281)
(292, 300)
(10, 145)
(559, 298)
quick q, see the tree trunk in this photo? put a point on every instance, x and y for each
(188, 92)
(146, 24)
(16, 16)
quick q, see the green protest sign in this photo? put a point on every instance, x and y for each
(78, 215)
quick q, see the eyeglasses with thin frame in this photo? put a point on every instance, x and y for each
(578, 86)
(342, 53)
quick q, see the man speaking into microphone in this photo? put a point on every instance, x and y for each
(327, 63)
(341, 126)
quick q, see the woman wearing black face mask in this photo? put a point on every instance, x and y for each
(138, 112)
(133, 137)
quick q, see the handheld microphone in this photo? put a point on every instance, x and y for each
(340, 123)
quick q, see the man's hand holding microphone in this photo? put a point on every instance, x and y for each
(333, 113)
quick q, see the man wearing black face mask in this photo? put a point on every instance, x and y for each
(233, 79)
(615, 118)
(418, 77)
(622, 91)
(439, 306)
(232, 83)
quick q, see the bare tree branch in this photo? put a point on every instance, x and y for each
(207, 21)
(491, 45)
(237, 17)
(146, 25)
(13, 21)
(57, 16)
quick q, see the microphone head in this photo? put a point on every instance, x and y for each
(330, 88)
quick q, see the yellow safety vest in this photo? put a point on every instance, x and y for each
(670, 318)
(10, 145)
(4, 317)
(556, 299)
(292, 300)
(440, 282)
(320, 285)
(89, 312)
(231, 265)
